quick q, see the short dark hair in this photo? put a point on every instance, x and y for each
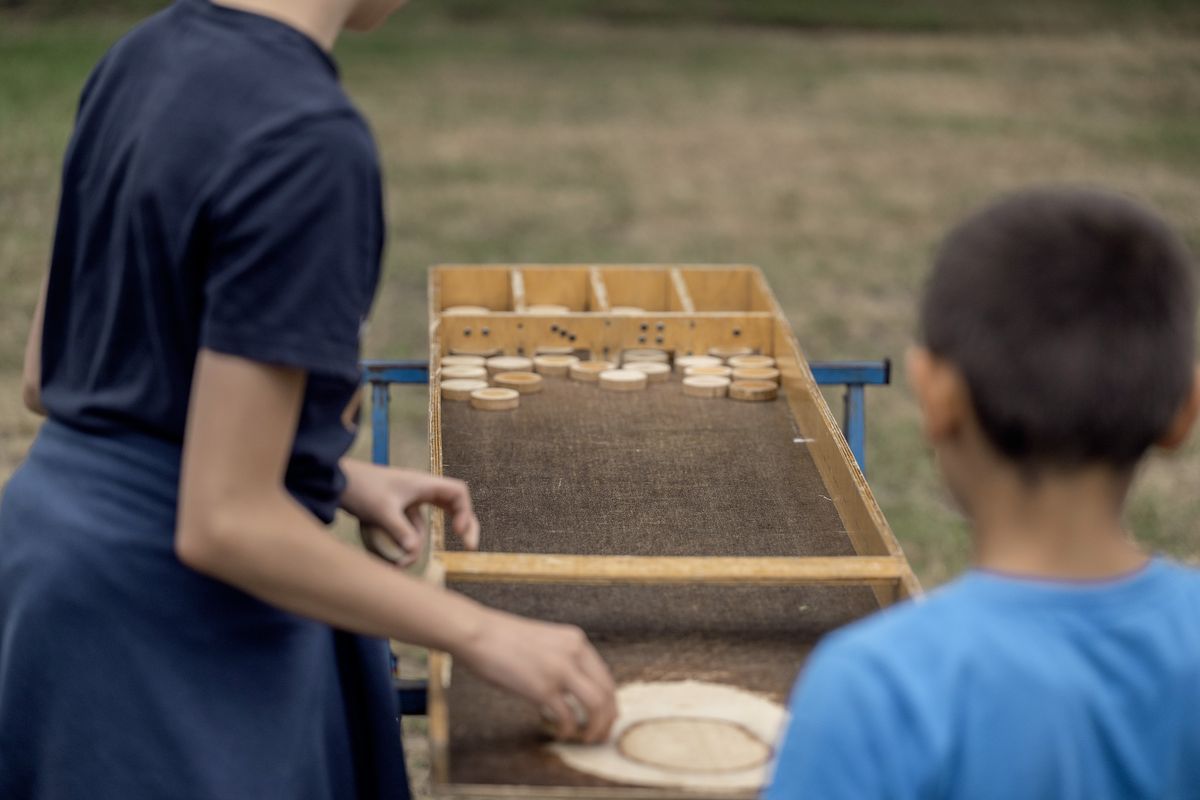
(1071, 314)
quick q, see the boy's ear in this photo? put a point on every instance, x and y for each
(941, 393)
(1180, 427)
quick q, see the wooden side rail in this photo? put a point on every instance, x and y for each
(758, 571)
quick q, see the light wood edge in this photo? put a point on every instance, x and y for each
(466, 791)
(599, 290)
(681, 291)
(517, 282)
(514, 568)
(861, 516)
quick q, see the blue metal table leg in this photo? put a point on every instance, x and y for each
(854, 423)
(380, 438)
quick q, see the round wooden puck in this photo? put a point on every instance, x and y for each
(756, 374)
(656, 371)
(461, 388)
(482, 352)
(495, 399)
(623, 380)
(589, 371)
(555, 350)
(523, 382)
(459, 311)
(720, 372)
(753, 390)
(554, 365)
(757, 362)
(645, 354)
(705, 386)
(729, 352)
(451, 373)
(462, 361)
(693, 745)
(626, 311)
(509, 364)
(547, 309)
(683, 362)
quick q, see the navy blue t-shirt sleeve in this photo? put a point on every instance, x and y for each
(297, 237)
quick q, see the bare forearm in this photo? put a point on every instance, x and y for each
(277, 552)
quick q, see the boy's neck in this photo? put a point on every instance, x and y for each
(1064, 526)
(320, 20)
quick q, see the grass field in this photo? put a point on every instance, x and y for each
(834, 160)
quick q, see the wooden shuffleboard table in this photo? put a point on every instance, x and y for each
(691, 538)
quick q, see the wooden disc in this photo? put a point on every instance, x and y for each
(693, 744)
(456, 311)
(756, 374)
(482, 352)
(554, 365)
(720, 372)
(453, 372)
(461, 388)
(753, 390)
(509, 364)
(626, 311)
(737, 362)
(589, 371)
(523, 382)
(645, 354)
(683, 362)
(495, 399)
(462, 361)
(623, 380)
(548, 309)
(729, 352)
(705, 386)
(656, 371)
(555, 350)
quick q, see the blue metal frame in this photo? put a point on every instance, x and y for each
(854, 375)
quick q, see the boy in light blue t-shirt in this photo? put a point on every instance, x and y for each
(1057, 347)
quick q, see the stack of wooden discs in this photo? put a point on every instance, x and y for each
(509, 364)
(554, 365)
(756, 374)
(705, 386)
(739, 362)
(495, 399)
(522, 382)
(589, 371)
(729, 352)
(656, 371)
(717, 371)
(457, 372)
(754, 390)
(683, 362)
(462, 361)
(623, 380)
(555, 350)
(461, 388)
(643, 354)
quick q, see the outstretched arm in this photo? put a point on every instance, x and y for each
(237, 523)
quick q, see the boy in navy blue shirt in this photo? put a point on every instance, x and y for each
(1057, 347)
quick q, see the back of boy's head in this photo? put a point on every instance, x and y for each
(1071, 315)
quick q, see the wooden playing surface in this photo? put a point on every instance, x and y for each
(755, 638)
(577, 469)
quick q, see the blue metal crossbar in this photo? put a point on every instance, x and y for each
(854, 375)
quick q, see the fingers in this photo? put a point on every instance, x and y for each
(566, 726)
(454, 498)
(598, 704)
